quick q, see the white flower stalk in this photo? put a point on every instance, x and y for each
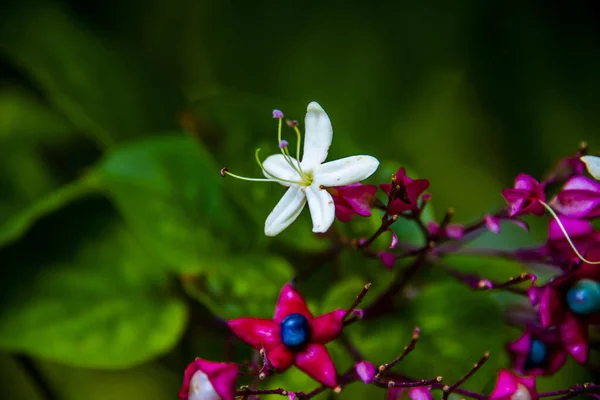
(309, 178)
(593, 165)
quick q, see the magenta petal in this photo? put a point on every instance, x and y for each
(395, 393)
(576, 203)
(415, 189)
(290, 302)
(506, 385)
(365, 371)
(515, 199)
(524, 181)
(556, 360)
(280, 357)
(529, 383)
(519, 351)
(189, 372)
(257, 332)
(574, 227)
(315, 361)
(583, 183)
(455, 231)
(394, 242)
(222, 377)
(433, 228)
(388, 259)
(398, 207)
(360, 198)
(574, 335)
(551, 308)
(420, 393)
(386, 187)
(492, 223)
(342, 211)
(328, 326)
(535, 294)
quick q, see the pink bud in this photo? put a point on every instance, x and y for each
(388, 259)
(420, 393)
(492, 223)
(365, 370)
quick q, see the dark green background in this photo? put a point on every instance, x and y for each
(119, 238)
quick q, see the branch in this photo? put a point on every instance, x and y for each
(358, 300)
(449, 389)
(407, 349)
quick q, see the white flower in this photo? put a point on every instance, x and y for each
(593, 165)
(201, 388)
(309, 179)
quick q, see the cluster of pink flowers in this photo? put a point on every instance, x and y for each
(562, 309)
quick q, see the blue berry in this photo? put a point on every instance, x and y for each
(584, 297)
(295, 331)
(537, 353)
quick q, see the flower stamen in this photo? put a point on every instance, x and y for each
(286, 153)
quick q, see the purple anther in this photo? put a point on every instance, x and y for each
(277, 114)
(283, 144)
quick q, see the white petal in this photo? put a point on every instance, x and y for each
(318, 134)
(522, 393)
(278, 167)
(345, 171)
(285, 212)
(593, 165)
(322, 209)
(201, 388)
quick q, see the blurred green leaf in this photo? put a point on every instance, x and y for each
(342, 294)
(14, 381)
(33, 137)
(19, 222)
(109, 307)
(101, 89)
(492, 268)
(149, 382)
(242, 286)
(25, 118)
(458, 326)
(171, 194)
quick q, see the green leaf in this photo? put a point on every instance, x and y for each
(492, 268)
(98, 87)
(14, 381)
(242, 286)
(457, 326)
(171, 194)
(18, 223)
(30, 131)
(26, 118)
(110, 306)
(149, 382)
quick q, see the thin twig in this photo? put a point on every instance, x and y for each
(449, 389)
(358, 300)
(407, 349)
(408, 384)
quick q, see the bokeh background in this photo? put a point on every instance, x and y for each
(121, 242)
